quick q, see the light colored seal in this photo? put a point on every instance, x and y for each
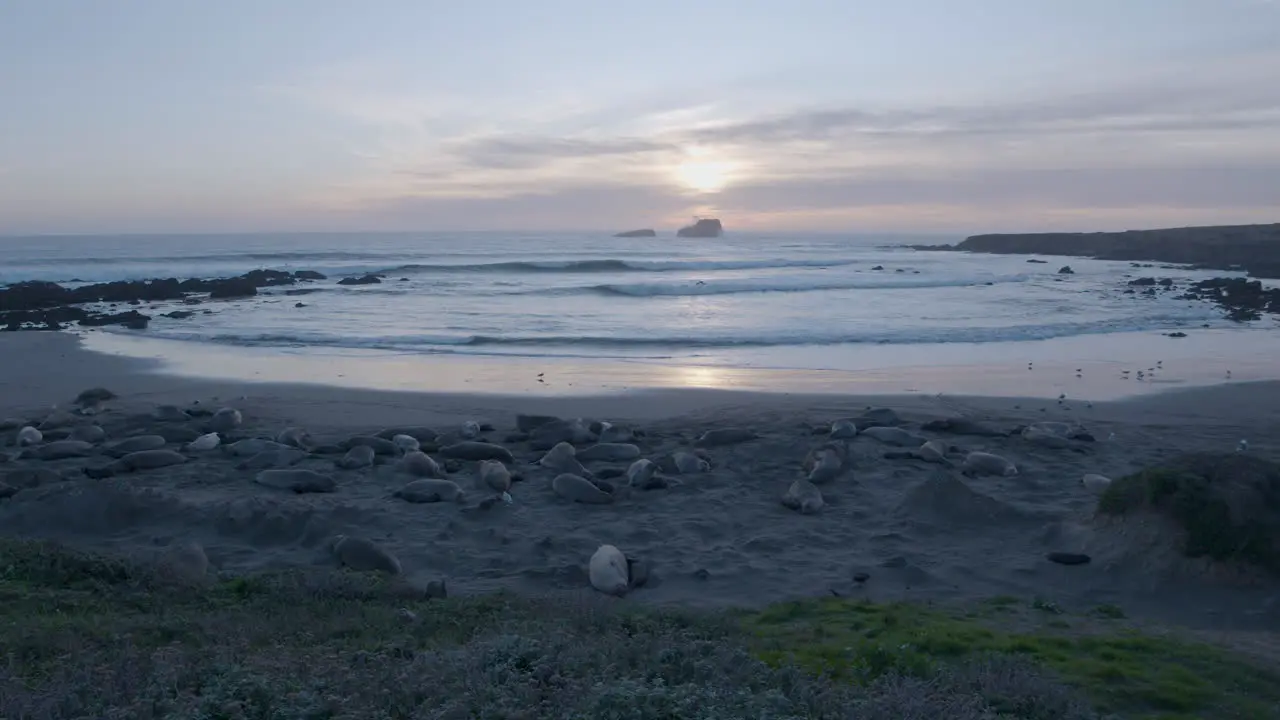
(88, 433)
(687, 463)
(893, 436)
(476, 451)
(608, 571)
(420, 464)
(430, 490)
(418, 432)
(364, 555)
(275, 457)
(297, 480)
(579, 489)
(357, 458)
(58, 419)
(643, 474)
(60, 450)
(406, 443)
(225, 420)
(1096, 483)
(470, 430)
(844, 430)
(983, 463)
(1048, 434)
(495, 476)
(804, 497)
(934, 451)
(204, 443)
(563, 459)
(380, 446)
(138, 443)
(29, 436)
(296, 437)
(608, 452)
(825, 463)
(251, 446)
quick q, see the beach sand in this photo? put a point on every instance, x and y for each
(919, 531)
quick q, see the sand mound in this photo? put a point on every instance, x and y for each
(94, 509)
(946, 500)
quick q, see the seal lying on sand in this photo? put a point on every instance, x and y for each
(422, 434)
(380, 446)
(608, 571)
(170, 413)
(934, 451)
(296, 437)
(406, 443)
(826, 463)
(608, 452)
(297, 480)
(225, 420)
(843, 430)
(580, 489)
(643, 475)
(803, 497)
(982, 463)
(60, 450)
(495, 476)
(550, 434)
(274, 457)
(470, 430)
(430, 490)
(687, 463)
(141, 460)
(476, 451)
(562, 458)
(962, 426)
(1096, 483)
(893, 436)
(420, 464)
(138, 443)
(357, 458)
(88, 433)
(204, 443)
(251, 446)
(28, 436)
(363, 555)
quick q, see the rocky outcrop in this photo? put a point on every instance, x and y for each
(362, 280)
(637, 233)
(1254, 248)
(702, 228)
(1241, 299)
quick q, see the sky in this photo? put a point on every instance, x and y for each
(950, 116)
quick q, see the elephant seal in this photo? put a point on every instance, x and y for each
(962, 426)
(608, 452)
(138, 443)
(251, 446)
(296, 437)
(93, 397)
(225, 420)
(470, 430)
(177, 433)
(204, 443)
(1048, 434)
(495, 476)
(983, 463)
(529, 423)
(140, 460)
(406, 443)
(88, 433)
(58, 419)
(357, 458)
(825, 464)
(1096, 483)
(563, 458)
(608, 571)
(579, 489)
(380, 446)
(724, 436)
(687, 463)
(274, 457)
(892, 436)
(297, 480)
(804, 497)
(476, 451)
(548, 435)
(417, 432)
(934, 451)
(615, 434)
(420, 464)
(60, 450)
(363, 555)
(170, 413)
(643, 475)
(28, 436)
(430, 490)
(843, 430)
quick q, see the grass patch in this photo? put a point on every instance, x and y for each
(83, 636)
(1228, 504)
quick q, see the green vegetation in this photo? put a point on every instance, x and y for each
(1228, 503)
(87, 637)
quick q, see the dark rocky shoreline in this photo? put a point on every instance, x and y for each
(39, 305)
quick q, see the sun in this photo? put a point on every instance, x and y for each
(702, 174)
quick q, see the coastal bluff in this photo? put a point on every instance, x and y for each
(1255, 248)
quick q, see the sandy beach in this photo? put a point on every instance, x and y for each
(909, 529)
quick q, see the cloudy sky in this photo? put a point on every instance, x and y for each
(834, 115)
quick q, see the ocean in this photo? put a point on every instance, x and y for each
(743, 300)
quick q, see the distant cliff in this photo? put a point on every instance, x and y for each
(703, 228)
(1255, 248)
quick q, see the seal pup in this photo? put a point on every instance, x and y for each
(470, 430)
(984, 463)
(1096, 483)
(297, 480)
(204, 443)
(608, 571)
(476, 451)
(357, 458)
(60, 450)
(170, 413)
(430, 490)
(579, 489)
(28, 436)
(225, 420)
(562, 458)
(934, 451)
(274, 457)
(406, 443)
(420, 464)
(892, 436)
(138, 443)
(93, 397)
(687, 463)
(843, 430)
(825, 463)
(804, 497)
(363, 555)
(495, 476)
(643, 475)
(88, 433)
(296, 437)
(608, 452)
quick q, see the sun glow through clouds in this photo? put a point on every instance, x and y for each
(703, 174)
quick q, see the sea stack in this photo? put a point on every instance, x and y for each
(702, 228)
